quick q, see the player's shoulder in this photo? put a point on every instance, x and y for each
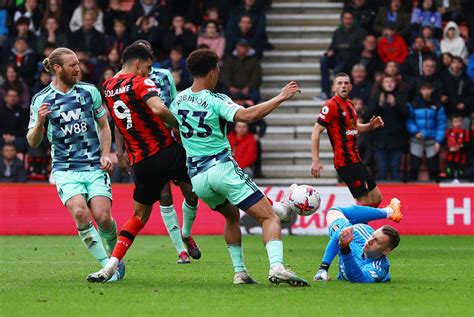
(363, 230)
(87, 86)
(162, 71)
(41, 95)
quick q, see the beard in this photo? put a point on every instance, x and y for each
(68, 79)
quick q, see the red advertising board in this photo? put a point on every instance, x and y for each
(27, 209)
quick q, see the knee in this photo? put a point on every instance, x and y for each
(166, 198)
(191, 199)
(80, 215)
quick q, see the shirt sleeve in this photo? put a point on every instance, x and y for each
(97, 107)
(145, 88)
(34, 112)
(326, 114)
(225, 107)
(173, 91)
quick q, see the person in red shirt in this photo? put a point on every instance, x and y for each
(456, 139)
(391, 46)
(244, 147)
(339, 117)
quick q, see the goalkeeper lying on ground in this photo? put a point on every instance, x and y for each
(362, 251)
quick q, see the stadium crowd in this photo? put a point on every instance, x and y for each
(412, 63)
(98, 31)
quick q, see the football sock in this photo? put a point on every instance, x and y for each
(93, 242)
(363, 214)
(172, 225)
(275, 252)
(127, 234)
(237, 257)
(110, 237)
(189, 215)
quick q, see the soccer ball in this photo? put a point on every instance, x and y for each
(305, 200)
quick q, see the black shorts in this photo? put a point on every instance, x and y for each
(152, 173)
(357, 178)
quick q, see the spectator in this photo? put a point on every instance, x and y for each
(364, 140)
(446, 60)
(451, 10)
(470, 66)
(51, 34)
(389, 142)
(178, 35)
(346, 41)
(44, 79)
(361, 87)
(146, 30)
(459, 89)
(429, 75)
(23, 57)
(212, 13)
(470, 152)
(457, 139)
(119, 37)
(112, 13)
(77, 19)
(87, 72)
(244, 147)
(426, 14)
(158, 12)
(363, 13)
(11, 167)
(212, 37)
(391, 46)
(391, 69)
(189, 10)
(393, 13)
(112, 61)
(22, 30)
(413, 66)
(31, 11)
(368, 57)
(13, 121)
(453, 42)
(14, 81)
(426, 126)
(88, 39)
(242, 73)
(245, 30)
(3, 26)
(48, 48)
(53, 9)
(432, 43)
(176, 64)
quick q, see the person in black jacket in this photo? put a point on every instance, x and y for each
(413, 65)
(11, 167)
(429, 70)
(88, 39)
(179, 35)
(389, 142)
(459, 89)
(13, 121)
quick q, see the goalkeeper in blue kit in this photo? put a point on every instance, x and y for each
(362, 250)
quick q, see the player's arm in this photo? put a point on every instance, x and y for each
(260, 111)
(316, 166)
(122, 158)
(37, 121)
(352, 270)
(159, 108)
(375, 123)
(105, 139)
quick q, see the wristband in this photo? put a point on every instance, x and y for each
(346, 250)
(324, 266)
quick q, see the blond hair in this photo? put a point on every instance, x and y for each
(56, 58)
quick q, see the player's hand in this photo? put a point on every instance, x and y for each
(123, 163)
(106, 163)
(176, 135)
(316, 169)
(346, 237)
(289, 90)
(376, 122)
(321, 276)
(43, 112)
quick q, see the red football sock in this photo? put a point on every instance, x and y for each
(127, 234)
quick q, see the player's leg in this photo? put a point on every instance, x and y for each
(364, 214)
(242, 192)
(170, 219)
(282, 208)
(99, 189)
(232, 232)
(189, 207)
(233, 238)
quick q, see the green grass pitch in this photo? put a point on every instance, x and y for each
(45, 276)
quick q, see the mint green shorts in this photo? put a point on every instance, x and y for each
(90, 184)
(226, 182)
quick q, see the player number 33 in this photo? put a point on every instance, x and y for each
(201, 125)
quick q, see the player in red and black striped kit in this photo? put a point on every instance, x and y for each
(138, 112)
(456, 157)
(340, 119)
